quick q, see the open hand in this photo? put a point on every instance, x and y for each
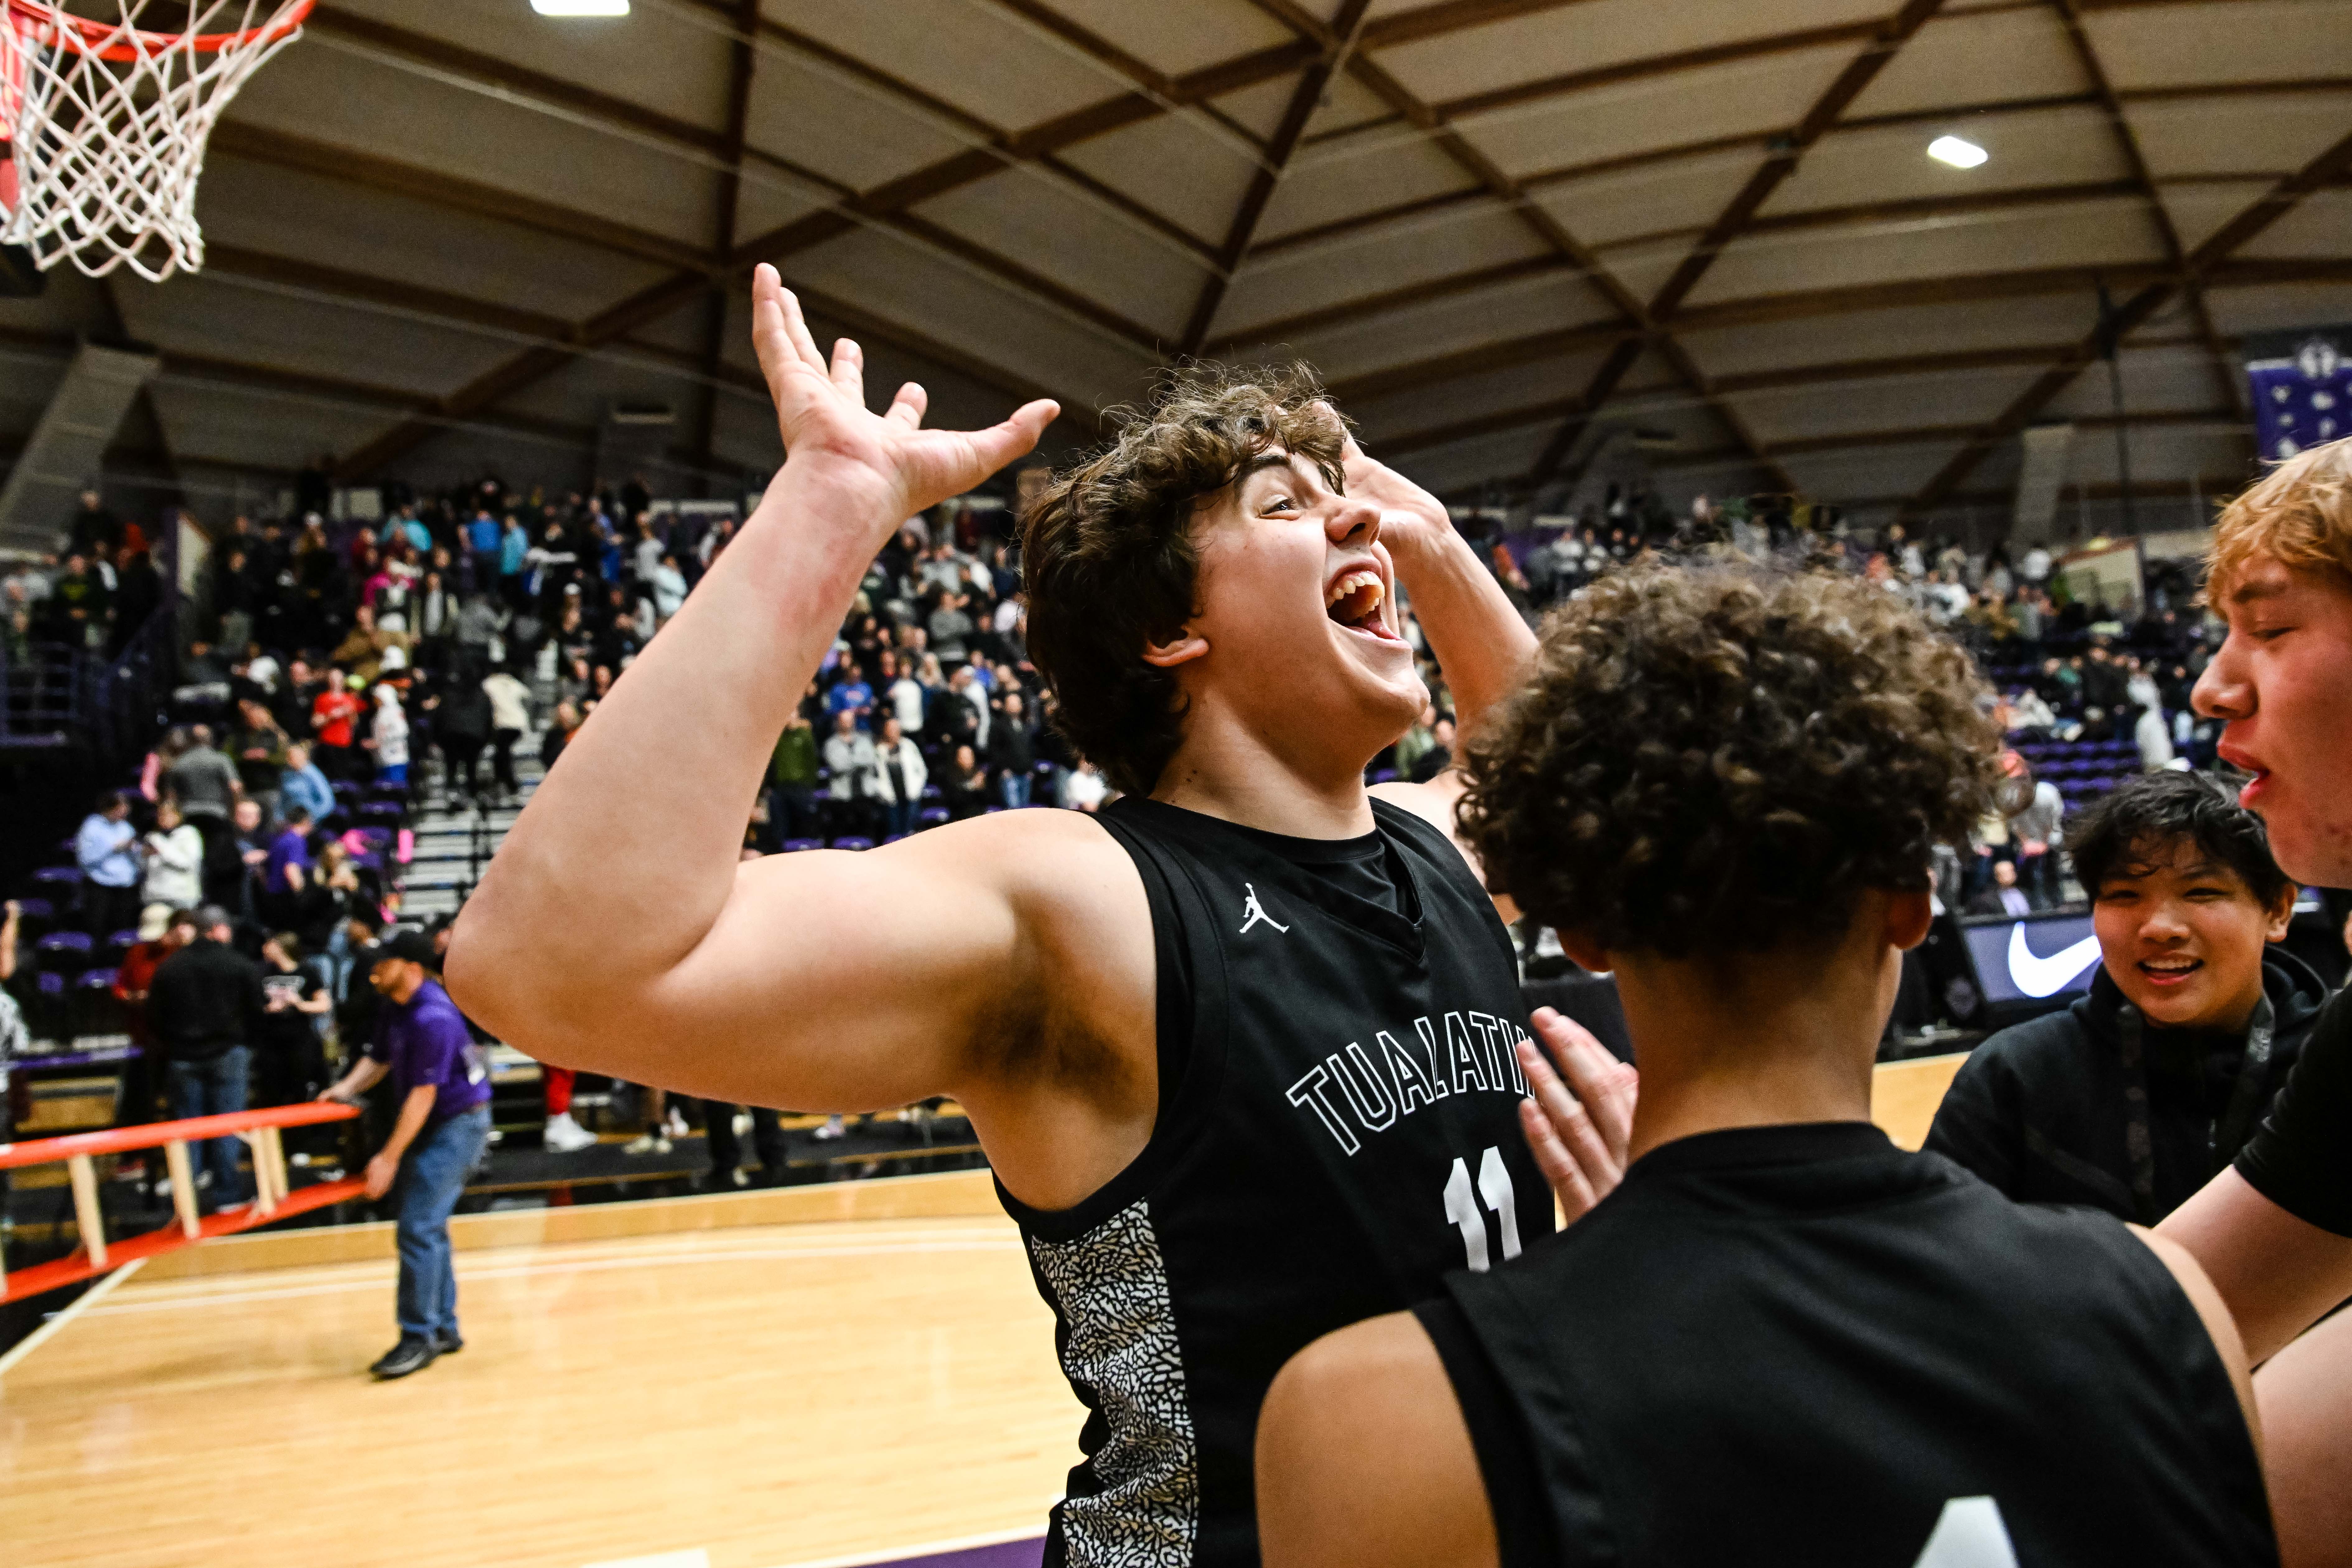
(834, 443)
(1578, 1130)
(1409, 516)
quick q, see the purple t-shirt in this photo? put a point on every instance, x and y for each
(288, 849)
(425, 1041)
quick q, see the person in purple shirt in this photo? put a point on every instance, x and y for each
(288, 870)
(444, 1085)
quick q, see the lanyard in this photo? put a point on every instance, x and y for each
(2237, 1122)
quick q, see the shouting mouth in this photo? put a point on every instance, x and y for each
(1355, 600)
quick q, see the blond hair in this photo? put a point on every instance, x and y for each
(2299, 514)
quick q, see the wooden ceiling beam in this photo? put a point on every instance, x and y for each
(1304, 98)
(2199, 269)
(1886, 39)
(727, 200)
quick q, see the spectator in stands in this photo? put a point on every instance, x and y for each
(301, 786)
(389, 737)
(333, 716)
(2001, 895)
(791, 780)
(849, 757)
(289, 1066)
(1012, 749)
(509, 717)
(444, 1085)
(205, 785)
(286, 873)
(202, 1004)
(233, 867)
(2154, 738)
(1439, 754)
(963, 787)
(174, 852)
(2133, 1098)
(899, 777)
(257, 747)
(564, 724)
(107, 849)
(668, 588)
(1085, 789)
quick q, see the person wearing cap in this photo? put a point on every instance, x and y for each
(443, 1083)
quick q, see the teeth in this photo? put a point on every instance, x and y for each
(1350, 583)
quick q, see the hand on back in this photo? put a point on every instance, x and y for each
(884, 468)
(1578, 1130)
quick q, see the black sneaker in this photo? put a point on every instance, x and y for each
(447, 1345)
(411, 1355)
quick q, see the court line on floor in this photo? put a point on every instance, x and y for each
(376, 1281)
(75, 1308)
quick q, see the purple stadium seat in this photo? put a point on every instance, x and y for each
(63, 950)
(119, 945)
(894, 839)
(1384, 776)
(59, 882)
(853, 843)
(932, 795)
(933, 816)
(36, 915)
(795, 846)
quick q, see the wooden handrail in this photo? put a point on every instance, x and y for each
(272, 1195)
(155, 1134)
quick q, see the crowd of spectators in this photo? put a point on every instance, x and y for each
(92, 593)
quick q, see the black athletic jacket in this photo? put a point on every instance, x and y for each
(2044, 1111)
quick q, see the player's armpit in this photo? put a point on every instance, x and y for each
(2215, 1314)
(1363, 1458)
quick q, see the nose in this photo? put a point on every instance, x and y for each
(2224, 691)
(2164, 924)
(1354, 521)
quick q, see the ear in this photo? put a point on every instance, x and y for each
(1587, 953)
(1908, 919)
(1183, 649)
(2281, 913)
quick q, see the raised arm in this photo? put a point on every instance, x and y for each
(617, 931)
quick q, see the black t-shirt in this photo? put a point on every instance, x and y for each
(2301, 1158)
(1801, 1345)
(289, 1029)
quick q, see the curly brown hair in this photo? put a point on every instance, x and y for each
(1110, 563)
(1718, 760)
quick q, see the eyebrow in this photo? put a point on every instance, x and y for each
(1272, 457)
(2246, 593)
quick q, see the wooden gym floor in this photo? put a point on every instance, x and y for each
(839, 1374)
(765, 1394)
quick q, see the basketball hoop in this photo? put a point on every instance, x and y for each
(108, 125)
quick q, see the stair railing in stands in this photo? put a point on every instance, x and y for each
(273, 1200)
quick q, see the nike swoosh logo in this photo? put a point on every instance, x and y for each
(2038, 976)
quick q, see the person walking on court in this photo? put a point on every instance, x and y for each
(443, 1085)
(1779, 1339)
(1218, 1145)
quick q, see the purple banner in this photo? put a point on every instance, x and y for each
(2301, 386)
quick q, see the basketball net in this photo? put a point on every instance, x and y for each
(108, 123)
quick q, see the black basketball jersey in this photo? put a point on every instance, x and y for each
(1337, 1128)
(1801, 1345)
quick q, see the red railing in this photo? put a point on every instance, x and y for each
(272, 1198)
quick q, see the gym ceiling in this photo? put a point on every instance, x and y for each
(1514, 236)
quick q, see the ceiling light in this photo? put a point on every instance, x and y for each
(581, 7)
(1959, 155)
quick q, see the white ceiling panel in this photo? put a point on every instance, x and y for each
(2320, 227)
(2115, 230)
(2046, 147)
(1906, 403)
(2158, 453)
(1174, 39)
(307, 217)
(1372, 173)
(2200, 209)
(1686, 194)
(1460, 465)
(1170, 165)
(2280, 307)
(655, 55)
(1957, 57)
(1540, 304)
(1303, 279)
(435, 124)
(1688, 107)
(1836, 477)
(1561, 39)
(247, 426)
(1041, 223)
(2029, 321)
(2174, 377)
(2232, 135)
(2244, 40)
(846, 130)
(1472, 397)
(985, 60)
(974, 316)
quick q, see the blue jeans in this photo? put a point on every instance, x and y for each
(215, 1089)
(1016, 790)
(898, 816)
(432, 1175)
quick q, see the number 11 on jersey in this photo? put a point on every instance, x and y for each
(1461, 1207)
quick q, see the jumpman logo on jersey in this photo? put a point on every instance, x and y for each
(1255, 912)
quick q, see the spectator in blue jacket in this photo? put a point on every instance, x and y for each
(107, 849)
